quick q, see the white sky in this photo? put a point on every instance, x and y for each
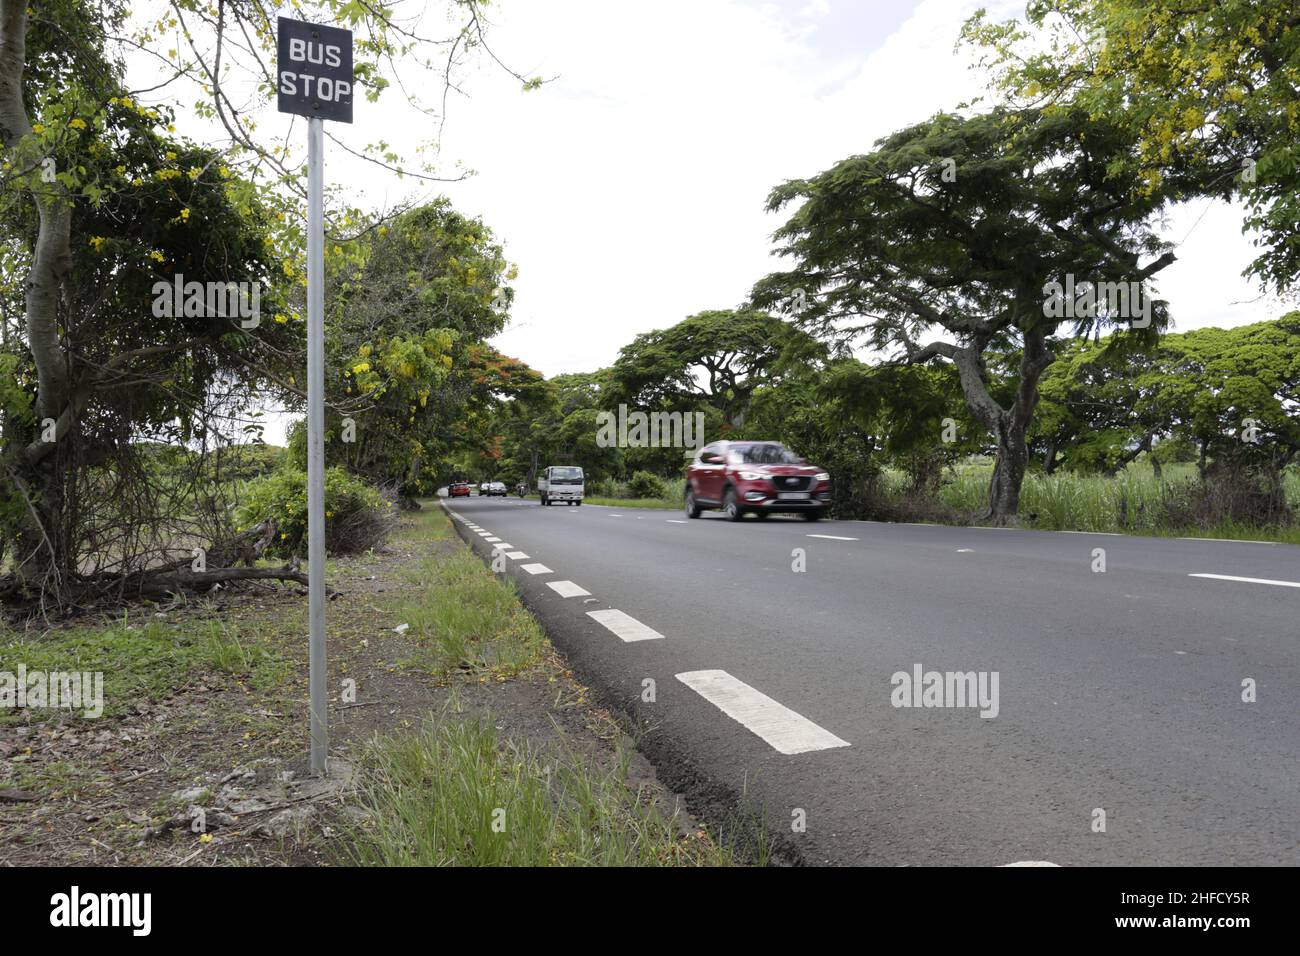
(630, 190)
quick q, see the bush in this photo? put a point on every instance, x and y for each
(357, 515)
(645, 485)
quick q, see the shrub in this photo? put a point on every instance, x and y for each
(357, 515)
(645, 485)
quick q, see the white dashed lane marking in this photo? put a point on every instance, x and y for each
(516, 555)
(502, 546)
(832, 537)
(567, 589)
(675, 521)
(624, 625)
(787, 731)
(492, 539)
(535, 568)
(1233, 577)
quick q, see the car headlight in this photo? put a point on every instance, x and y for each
(823, 476)
(751, 475)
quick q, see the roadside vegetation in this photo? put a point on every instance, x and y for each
(462, 708)
(455, 793)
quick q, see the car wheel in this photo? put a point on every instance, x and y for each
(812, 515)
(578, 503)
(730, 508)
(692, 509)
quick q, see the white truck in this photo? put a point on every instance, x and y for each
(561, 483)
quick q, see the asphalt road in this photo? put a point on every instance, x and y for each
(1117, 691)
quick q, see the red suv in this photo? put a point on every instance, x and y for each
(757, 476)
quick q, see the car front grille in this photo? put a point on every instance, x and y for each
(791, 482)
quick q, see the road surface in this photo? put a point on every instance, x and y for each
(1118, 736)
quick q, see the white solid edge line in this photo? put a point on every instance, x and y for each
(786, 731)
(567, 589)
(675, 520)
(1233, 577)
(536, 568)
(832, 537)
(624, 626)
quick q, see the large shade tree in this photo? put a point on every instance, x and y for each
(943, 243)
(716, 358)
(1209, 92)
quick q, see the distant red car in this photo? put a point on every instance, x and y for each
(758, 476)
(458, 489)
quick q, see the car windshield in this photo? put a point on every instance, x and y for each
(566, 473)
(771, 454)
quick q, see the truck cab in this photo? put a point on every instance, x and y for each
(564, 483)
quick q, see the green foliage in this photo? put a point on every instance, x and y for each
(716, 358)
(1206, 91)
(643, 484)
(143, 660)
(456, 793)
(357, 516)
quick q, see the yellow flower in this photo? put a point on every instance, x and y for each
(156, 256)
(97, 243)
(206, 838)
(38, 128)
(77, 124)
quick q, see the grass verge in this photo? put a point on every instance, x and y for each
(461, 615)
(456, 794)
(144, 660)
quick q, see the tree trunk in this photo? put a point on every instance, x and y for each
(1008, 473)
(1007, 425)
(1049, 459)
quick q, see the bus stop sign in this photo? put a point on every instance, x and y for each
(314, 70)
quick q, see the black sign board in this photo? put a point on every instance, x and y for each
(314, 70)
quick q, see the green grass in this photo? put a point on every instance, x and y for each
(463, 616)
(146, 660)
(1130, 502)
(456, 794)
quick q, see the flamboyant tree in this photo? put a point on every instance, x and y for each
(946, 242)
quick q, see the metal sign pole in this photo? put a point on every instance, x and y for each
(314, 79)
(316, 441)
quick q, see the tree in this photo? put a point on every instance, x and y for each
(719, 357)
(961, 227)
(1207, 91)
(97, 198)
(410, 304)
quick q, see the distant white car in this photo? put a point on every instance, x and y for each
(491, 488)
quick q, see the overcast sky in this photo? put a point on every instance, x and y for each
(630, 190)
